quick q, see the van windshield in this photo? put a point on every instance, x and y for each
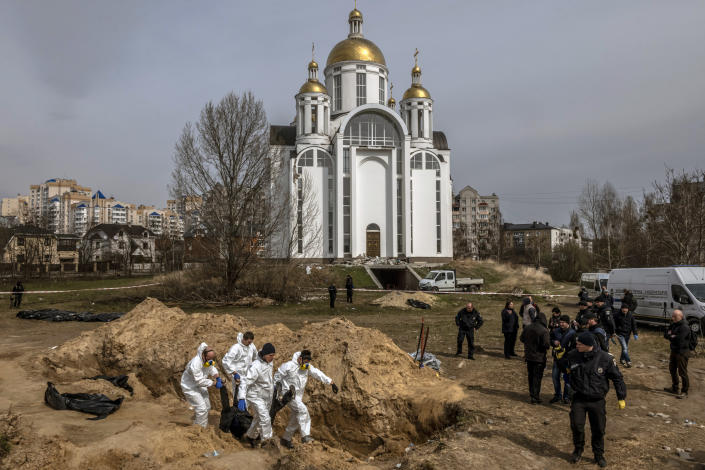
(431, 275)
(698, 291)
(603, 282)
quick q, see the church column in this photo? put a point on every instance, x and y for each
(307, 117)
(319, 118)
(414, 121)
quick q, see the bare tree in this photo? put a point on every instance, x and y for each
(225, 159)
(675, 213)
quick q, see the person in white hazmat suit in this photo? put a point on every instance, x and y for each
(239, 357)
(256, 390)
(296, 372)
(195, 383)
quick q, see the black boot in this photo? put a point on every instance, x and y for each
(673, 390)
(576, 455)
(600, 461)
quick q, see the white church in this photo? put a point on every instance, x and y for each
(378, 173)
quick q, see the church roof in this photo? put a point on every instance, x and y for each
(358, 49)
(439, 141)
(282, 135)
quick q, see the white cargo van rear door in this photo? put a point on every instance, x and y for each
(654, 290)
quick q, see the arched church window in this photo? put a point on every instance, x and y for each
(371, 129)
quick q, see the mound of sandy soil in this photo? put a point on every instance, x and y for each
(397, 299)
(385, 400)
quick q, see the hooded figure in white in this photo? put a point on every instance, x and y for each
(257, 388)
(195, 383)
(296, 372)
(239, 358)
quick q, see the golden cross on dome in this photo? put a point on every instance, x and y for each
(313, 50)
(356, 4)
(391, 88)
(416, 59)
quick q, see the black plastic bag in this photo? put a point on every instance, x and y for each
(91, 403)
(417, 304)
(53, 314)
(231, 419)
(118, 381)
(279, 401)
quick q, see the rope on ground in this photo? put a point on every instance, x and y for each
(82, 290)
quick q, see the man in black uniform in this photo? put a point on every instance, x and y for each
(604, 316)
(19, 290)
(468, 320)
(596, 330)
(590, 371)
(332, 291)
(536, 342)
(580, 320)
(679, 336)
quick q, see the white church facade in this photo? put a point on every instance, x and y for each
(377, 174)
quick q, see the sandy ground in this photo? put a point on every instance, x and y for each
(497, 428)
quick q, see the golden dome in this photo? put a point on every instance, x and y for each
(356, 49)
(355, 14)
(416, 69)
(313, 64)
(416, 91)
(313, 86)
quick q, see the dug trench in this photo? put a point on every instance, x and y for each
(385, 401)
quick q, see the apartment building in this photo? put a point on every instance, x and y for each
(15, 209)
(43, 205)
(538, 236)
(476, 223)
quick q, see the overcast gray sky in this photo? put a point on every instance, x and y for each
(534, 97)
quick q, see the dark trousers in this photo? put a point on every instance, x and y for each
(678, 366)
(470, 335)
(332, 301)
(510, 340)
(535, 370)
(18, 300)
(349, 292)
(595, 411)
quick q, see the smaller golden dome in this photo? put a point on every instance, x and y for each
(416, 91)
(313, 64)
(355, 15)
(313, 86)
(416, 69)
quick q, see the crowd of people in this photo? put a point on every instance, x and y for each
(254, 382)
(582, 365)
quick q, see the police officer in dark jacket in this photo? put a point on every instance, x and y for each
(583, 295)
(18, 290)
(468, 320)
(580, 320)
(625, 325)
(510, 328)
(536, 343)
(604, 316)
(605, 295)
(679, 336)
(629, 300)
(600, 335)
(332, 292)
(590, 372)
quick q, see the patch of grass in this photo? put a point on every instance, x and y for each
(5, 446)
(359, 276)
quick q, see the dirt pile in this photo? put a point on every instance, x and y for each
(385, 401)
(397, 299)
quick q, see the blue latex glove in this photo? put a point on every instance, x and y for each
(636, 337)
(241, 405)
(218, 383)
(236, 376)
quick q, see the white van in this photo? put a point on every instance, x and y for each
(658, 291)
(594, 282)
